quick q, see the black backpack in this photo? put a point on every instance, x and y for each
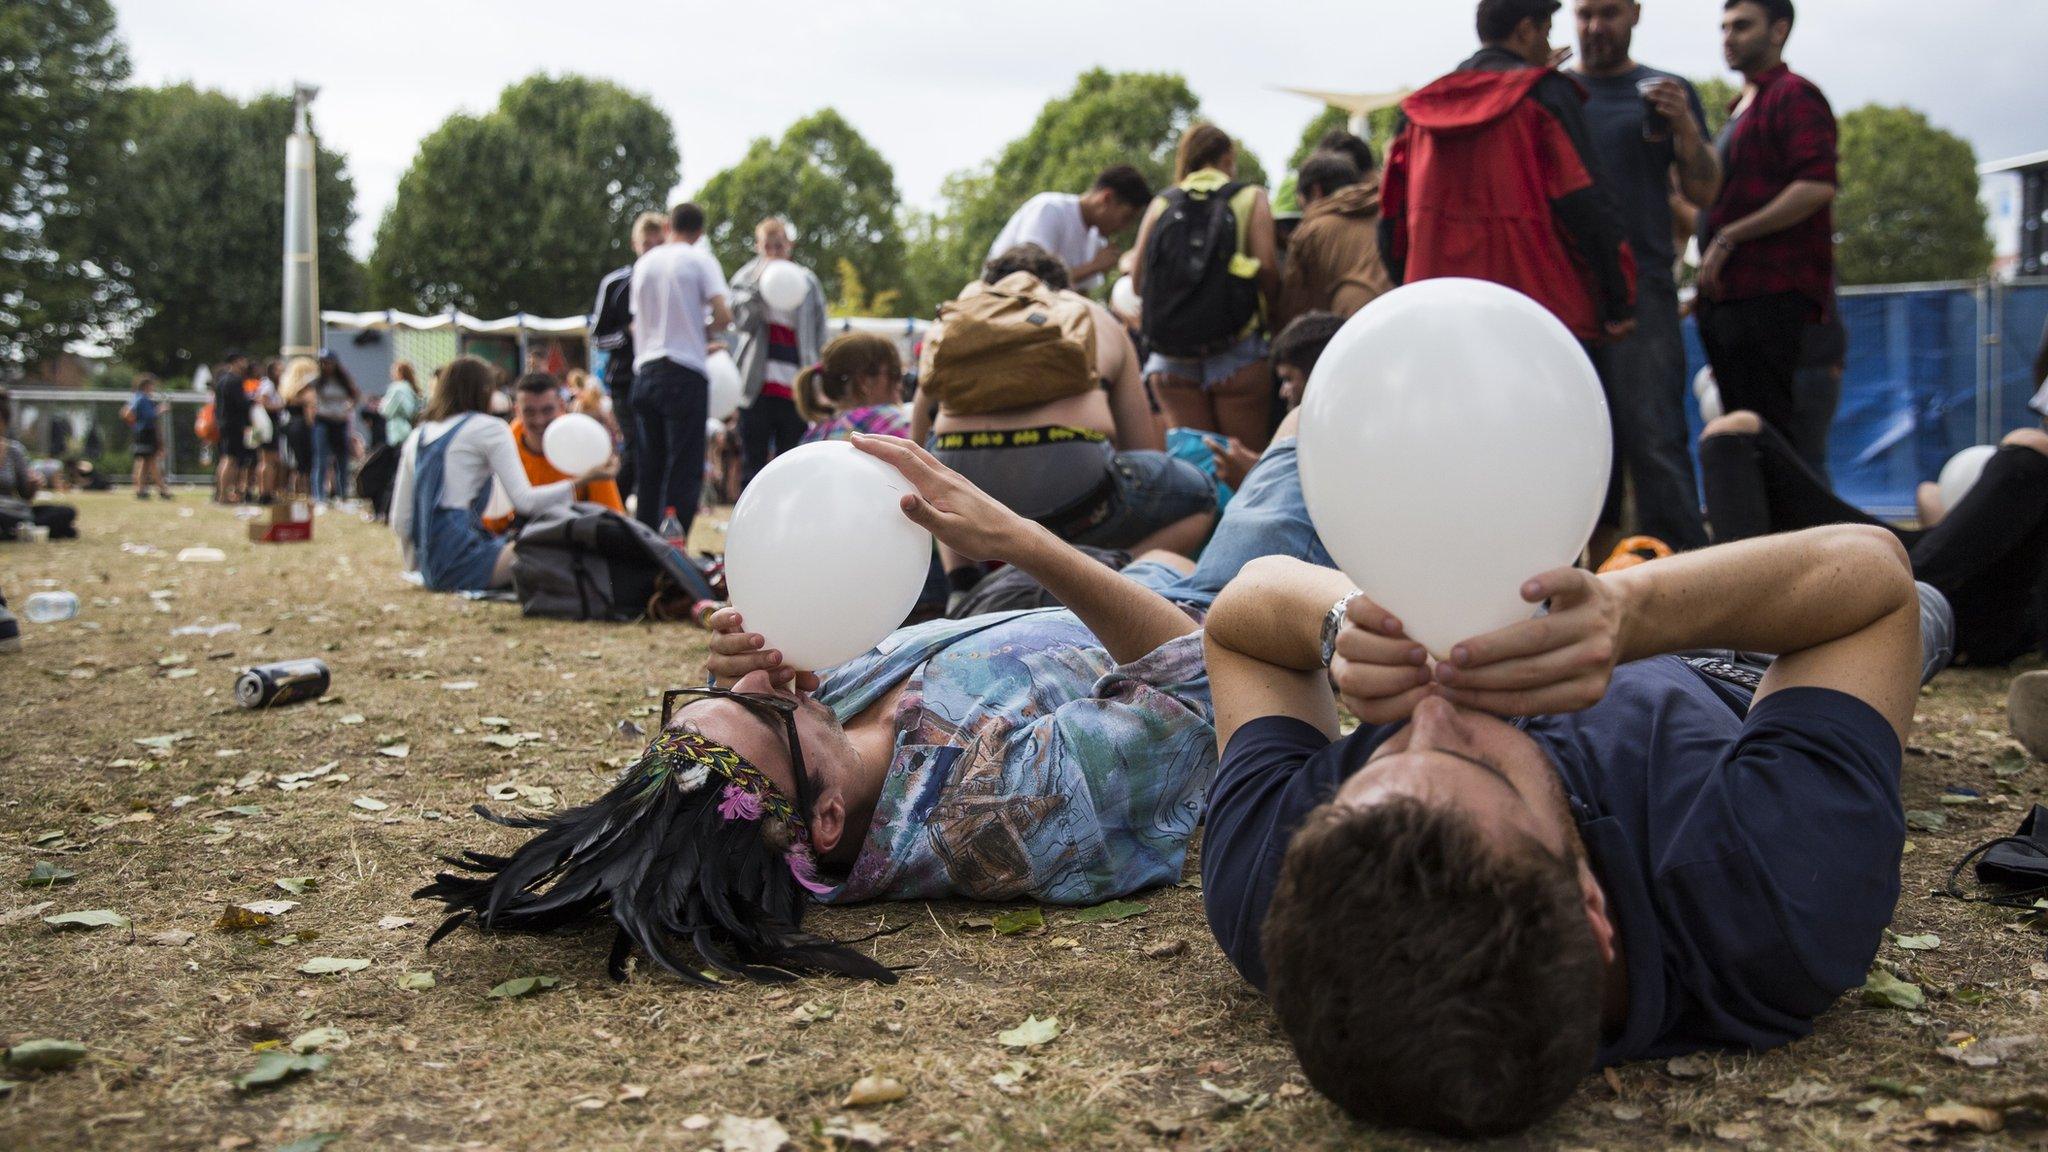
(587, 562)
(1193, 305)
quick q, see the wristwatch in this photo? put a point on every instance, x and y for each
(1334, 623)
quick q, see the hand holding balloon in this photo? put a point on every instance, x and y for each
(1378, 671)
(1558, 662)
(947, 504)
(735, 652)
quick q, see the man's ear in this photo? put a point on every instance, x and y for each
(1595, 903)
(828, 823)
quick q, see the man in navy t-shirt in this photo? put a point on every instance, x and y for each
(1457, 914)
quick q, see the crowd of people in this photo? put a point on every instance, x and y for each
(1609, 832)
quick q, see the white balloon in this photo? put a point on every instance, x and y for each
(576, 443)
(1707, 391)
(1960, 474)
(819, 556)
(1123, 296)
(712, 428)
(784, 286)
(724, 374)
(1454, 443)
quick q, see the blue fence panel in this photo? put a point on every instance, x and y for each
(1911, 393)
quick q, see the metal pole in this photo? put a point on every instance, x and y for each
(300, 334)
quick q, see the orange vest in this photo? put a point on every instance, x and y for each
(539, 471)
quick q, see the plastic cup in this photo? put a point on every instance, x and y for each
(1656, 128)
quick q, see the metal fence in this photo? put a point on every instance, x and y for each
(1932, 369)
(75, 424)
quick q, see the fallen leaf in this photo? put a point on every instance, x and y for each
(389, 923)
(1167, 949)
(1884, 990)
(1233, 1099)
(459, 685)
(1112, 911)
(277, 1066)
(522, 986)
(1926, 819)
(164, 743)
(48, 875)
(1970, 994)
(503, 740)
(741, 1134)
(631, 1093)
(332, 965)
(244, 810)
(172, 938)
(314, 1143)
(395, 751)
(272, 907)
(87, 921)
(813, 1011)
(1735, 1131)
(846, 1132)
(236, 918)
(1032, 1033)
(370, 804)
(495, 722)
(1988, 1052)
(1894, 1087)
(1165, 1126)
(696, 1122)
(181, 673)
(45, 1055)
(1018, 920)
(26, 912)
(1626, 1113)
(352, 718)
(590, 1103)
(871, 1090)
(1960, 1116)
(419, 981)
(1924, 943)
(297, 885)
(332, 1039)
(1802, 1093)
(1689, 1067)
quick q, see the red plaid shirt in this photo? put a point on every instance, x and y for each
(1788, 134)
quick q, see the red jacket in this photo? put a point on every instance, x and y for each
(1491, 177)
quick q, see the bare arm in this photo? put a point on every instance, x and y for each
(1799, 200)
(924, 408)
(1263, 645)
(1695, 167)
(721, 321)
(1152, 212)
(1136, 429)
(1264, 246)
(1129, 619)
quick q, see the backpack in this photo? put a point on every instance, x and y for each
(207, 426)
(1195, 304)
(1011, 344)
(586, 562)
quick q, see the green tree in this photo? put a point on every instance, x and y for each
(837, 193)
(1379, 125)
(526, 207)
(1133, 118)
(1716, 95)
(60, 66)
(1908, 209)
(188, 224)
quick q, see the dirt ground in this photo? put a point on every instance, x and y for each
(1159, 1045)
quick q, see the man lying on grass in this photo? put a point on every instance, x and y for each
(1058, 755)
(1564, 846)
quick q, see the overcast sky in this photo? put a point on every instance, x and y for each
(940, 85)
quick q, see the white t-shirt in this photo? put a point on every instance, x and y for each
(1052, 220)
(481, 453)
(673, 287)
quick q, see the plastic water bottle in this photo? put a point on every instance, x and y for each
(50, 607)
(671, 530)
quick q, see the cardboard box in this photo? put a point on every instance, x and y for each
(290, 512)
(281, 532)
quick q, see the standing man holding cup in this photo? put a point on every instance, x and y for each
(1649, 135)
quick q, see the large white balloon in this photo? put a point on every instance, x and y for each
(819, 556)
(1960, 474)
(576, 443)
(1123, 296)
(725, 384)
(784, 286)
(1454, 443)
(1707, 391)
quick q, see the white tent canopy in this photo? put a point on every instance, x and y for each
(520, 322)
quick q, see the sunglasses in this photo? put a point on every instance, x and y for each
(776, 711)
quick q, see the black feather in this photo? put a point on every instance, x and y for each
(675, 876)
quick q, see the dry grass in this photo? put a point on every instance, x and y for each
(170, 1026)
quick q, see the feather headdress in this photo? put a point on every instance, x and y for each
(693, 844)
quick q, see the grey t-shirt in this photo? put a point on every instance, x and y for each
(14, 477)
(1635, 171)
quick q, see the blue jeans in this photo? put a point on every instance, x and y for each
(670, 404)
(1153, 491)
(1644, 377)
(330, 459)
(1267, 517)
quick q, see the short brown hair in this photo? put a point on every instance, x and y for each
(1203, 145)
(686, 219)
(649, 226)
(538, 384)
(820, 389)
(1028, 257)
(1428, 977)
(462, 385)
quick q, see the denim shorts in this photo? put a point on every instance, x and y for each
(1210, 370)
(1153, 490)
